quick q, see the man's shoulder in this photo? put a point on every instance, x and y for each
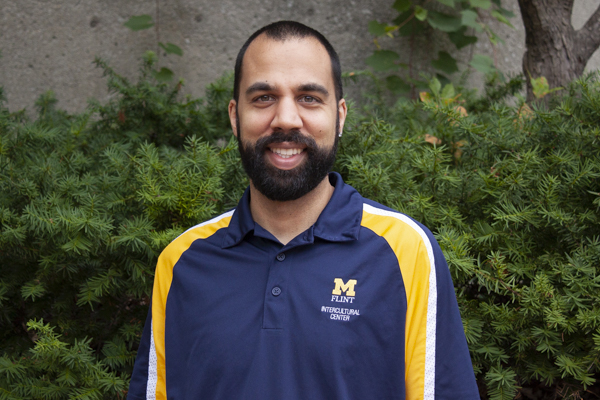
(207, 228)
(395, 226)
(203, 230)
(391, 216)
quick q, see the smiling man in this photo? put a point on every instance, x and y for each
(306, 290)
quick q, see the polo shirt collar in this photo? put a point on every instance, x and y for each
(339, 221)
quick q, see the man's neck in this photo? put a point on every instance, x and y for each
(287, 219)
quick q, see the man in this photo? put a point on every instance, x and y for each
(306, 290)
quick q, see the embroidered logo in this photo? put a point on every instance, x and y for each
(348, 287)
(342, 293)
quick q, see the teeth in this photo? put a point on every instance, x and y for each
(286, 153)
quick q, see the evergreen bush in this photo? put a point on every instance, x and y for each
(88, 201)
(512, 195)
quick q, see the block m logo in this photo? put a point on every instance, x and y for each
(340, 287)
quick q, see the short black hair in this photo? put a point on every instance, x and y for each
(283, 30)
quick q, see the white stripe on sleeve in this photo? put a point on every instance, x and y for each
(152, 374)
(429, 384)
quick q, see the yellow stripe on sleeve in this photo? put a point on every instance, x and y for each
(415, 258)
(162, 282)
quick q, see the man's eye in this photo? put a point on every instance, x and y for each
(308, 99)
(264, 98)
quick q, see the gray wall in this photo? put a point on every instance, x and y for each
(50, 44)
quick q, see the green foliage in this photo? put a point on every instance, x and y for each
(541, 87)
(170, 48)
(154, 112)
(88, 201)
(143, 22)
(512, 194)
(482, 63)
(139, 22)
(54, 369)
(458, 20)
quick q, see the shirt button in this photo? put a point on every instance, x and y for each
(276, 291)
(280, 257)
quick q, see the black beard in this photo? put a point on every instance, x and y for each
(285, 185)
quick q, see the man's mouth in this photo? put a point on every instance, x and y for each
(286, 153)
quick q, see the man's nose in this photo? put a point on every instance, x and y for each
(287, 115)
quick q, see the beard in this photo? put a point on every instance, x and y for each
(285, 185)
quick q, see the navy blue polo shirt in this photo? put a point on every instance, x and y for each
(359, 306)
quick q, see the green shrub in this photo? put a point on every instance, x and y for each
(512, 195)
(88, 201)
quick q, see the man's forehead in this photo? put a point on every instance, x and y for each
(264, 53)
(263, 47)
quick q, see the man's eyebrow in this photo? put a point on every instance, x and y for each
(313, 87)
(306, 87)
(259, 87)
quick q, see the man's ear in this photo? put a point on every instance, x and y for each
(342, 112)
(233, 116)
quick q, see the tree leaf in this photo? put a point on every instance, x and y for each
(420, 13)
(485, 4)
(461, 40)
(541, 87)
(500, 17)
(435, 86)
(33, 290)
(413, 27)
(376, 29)
(78, 245)
(448, 91)
(170, 48)
(449, 3)
(482, 63)
(494, 39)
(469, 18)
(402, 5)
(139, 22)
(426, 97)
(400, 19)
(150, 57)
(164, 75)
(443, 79)
(505, 12)
(383, 60)
(445, 63)
(389, 29)
(444, 22)
(396, 84)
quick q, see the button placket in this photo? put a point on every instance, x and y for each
(275, 303)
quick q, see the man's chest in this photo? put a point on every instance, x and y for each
(255, 312)
(326, 284)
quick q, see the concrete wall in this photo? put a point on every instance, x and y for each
(50, 44)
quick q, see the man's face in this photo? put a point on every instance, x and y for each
(287, 118)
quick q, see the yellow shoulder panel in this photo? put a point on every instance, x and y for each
(415, 259)
(162, 283)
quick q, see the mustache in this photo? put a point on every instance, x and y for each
(293, 136)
